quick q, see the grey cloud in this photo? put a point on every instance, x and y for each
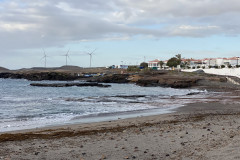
(42, 23)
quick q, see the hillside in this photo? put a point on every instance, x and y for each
(2, 69)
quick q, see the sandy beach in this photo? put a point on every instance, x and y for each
(195, 131)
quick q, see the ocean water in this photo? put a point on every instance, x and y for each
(24, 107)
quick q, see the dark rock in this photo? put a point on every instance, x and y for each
(36, 153)
(193, 93)
(173, 82)
(115, 78)
(182, 143)
(39, 76)
(69, 85)
(147, 82)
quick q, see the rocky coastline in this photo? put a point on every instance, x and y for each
(196, 131)
(39, 76)
(171, 79)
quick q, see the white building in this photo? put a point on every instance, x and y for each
(232, 61)
(154, 64)
(123, 66)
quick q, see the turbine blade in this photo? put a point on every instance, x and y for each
(93, 51)
(68, 51)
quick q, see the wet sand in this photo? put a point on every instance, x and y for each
(196, 131)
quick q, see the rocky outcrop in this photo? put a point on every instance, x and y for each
(69, 85)
(173, 82)
(178, 82)
(115, 78)
(2, 69)
(39, 76)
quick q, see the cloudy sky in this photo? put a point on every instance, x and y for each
(122, 31)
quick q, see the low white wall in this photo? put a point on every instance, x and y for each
(224, 71)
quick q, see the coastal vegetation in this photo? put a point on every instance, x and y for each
(144, 65)
(174, 61)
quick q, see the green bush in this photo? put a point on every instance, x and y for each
(198, 66)
(222, 66)
(133, 68)
(144, 65)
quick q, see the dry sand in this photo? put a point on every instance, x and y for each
(196, 131)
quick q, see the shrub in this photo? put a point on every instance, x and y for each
(173, 62)
(203, 67)
(237, 66)
(216, 67)
(144, 65)
(147, 70)
(210, 66)
(229, 66)
(133, 68)
(193, 67)
(198, 66)
(222, 66)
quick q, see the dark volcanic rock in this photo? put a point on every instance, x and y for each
(173, 82)
(69, 85)
(39, 76)
(147, 82)
(11, 75)
(179, 83)
(115, 78)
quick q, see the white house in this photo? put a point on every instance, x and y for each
(193, 62)
(233, 61)
(154, 64)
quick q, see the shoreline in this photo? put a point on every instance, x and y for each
(171, 107)
(202, 130)
(183, 108)
(196, 131)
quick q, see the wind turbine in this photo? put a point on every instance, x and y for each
(45, 58)
(90, 54)
(67, 56)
